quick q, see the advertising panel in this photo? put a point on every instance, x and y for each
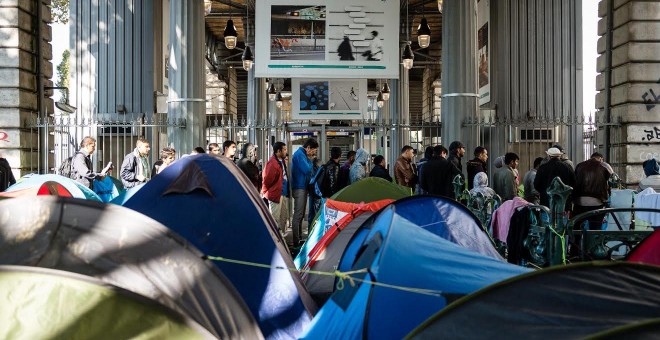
(327, 38)
(483, 50)
(328, 99)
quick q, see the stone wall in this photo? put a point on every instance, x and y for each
(19, 102)
(635, 85)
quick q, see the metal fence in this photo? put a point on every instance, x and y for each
(117, 137)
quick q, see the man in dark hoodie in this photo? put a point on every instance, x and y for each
(379, 169)
(456, 153)
(477, 165)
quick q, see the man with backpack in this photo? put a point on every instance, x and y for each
(325, 182)
(81, 164)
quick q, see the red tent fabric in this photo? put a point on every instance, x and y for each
(648, 251)
(355, 209)
(48, 188)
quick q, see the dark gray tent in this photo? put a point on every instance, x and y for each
(38, 303)
(647, 329)
(322, 286)
(565, 302)
(126, 249)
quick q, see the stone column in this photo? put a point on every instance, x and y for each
(631, 100)
(24, 36)
(460, 98)
(186, 97)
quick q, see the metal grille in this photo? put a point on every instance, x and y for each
(116, 138)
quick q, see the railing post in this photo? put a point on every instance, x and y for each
(558, 193)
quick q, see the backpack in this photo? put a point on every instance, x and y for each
(66, 168)
(315, 183)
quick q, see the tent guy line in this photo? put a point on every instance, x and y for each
(341, 275)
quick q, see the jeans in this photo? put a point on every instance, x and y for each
(299, 206)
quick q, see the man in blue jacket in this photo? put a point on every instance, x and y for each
(301, 173)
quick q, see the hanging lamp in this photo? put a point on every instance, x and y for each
(386, 91)
(230, 35)
(407, 57)
(424, 34)
(278, 100)
(272, 94)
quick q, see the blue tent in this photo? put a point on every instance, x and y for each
(125, 195)
(209, 201)
(396, 251)
(441, 216)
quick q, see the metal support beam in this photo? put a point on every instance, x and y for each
(460, 98)
(186, 98)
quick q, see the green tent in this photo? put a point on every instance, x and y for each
(371, 189)
(38, 303)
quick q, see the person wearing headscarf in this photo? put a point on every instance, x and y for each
(359, 168)
(481, 185)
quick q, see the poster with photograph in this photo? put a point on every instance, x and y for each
(328, 99)
(297, 33)
(483, 50)
(324, 38)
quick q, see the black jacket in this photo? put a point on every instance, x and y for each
(475, 166)
(438, 177)
(251, 171)
(6, 175)
(547, 172)
(380, 171)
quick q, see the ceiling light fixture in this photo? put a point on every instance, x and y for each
(278, 100)
(386, 91)
(230, 35)
(424, 34)
(272, 93)
(407, 57)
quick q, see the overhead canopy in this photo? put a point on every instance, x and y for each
(423, 272)
(209, 201)
(561, 302)
(124, 248)
(37, 303)
(36, 181)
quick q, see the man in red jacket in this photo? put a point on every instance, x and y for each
(275, 187)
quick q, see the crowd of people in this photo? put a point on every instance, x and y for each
(308, 180)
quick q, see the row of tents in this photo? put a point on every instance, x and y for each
(197, 248)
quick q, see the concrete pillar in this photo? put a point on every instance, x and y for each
(634, 86)
(256, 105)
(460, 98)
(186, 97)
(21, 83)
